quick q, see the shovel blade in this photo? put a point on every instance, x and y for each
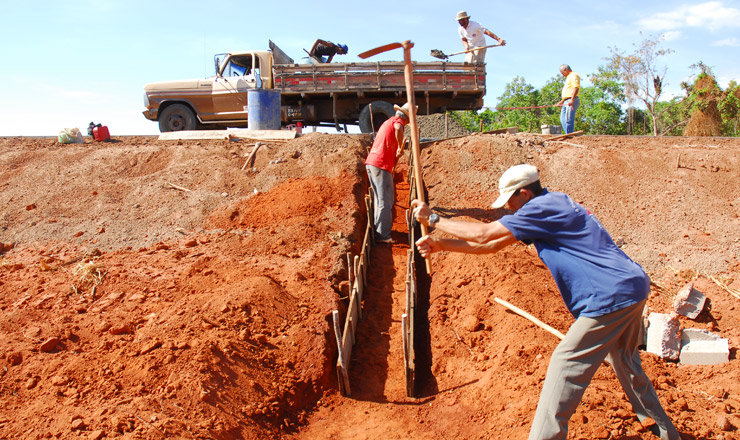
(436, 53)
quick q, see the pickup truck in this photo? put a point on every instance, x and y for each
(331, 94)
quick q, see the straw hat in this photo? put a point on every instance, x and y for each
(461, 15)
(404, 109)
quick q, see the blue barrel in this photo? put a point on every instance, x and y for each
(264, 109)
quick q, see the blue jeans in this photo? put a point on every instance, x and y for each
(568, 115)
(383, 197)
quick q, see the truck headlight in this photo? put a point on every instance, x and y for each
(146, 100)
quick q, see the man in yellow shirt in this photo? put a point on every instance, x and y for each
(570, 100)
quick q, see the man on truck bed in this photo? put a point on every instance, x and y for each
(322, 48)
(474, 37)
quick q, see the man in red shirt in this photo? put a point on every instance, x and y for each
(379, 164)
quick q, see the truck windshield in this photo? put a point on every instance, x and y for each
(240, 65)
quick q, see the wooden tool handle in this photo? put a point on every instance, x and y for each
(524, 314)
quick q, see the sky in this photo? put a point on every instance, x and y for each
(67, 63)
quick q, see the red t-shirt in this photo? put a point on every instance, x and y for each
(383, 152)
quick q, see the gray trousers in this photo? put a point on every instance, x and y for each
(383, 197)
(575, 361)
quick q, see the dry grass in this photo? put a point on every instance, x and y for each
(87, 275)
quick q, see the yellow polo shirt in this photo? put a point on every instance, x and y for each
(572, 82)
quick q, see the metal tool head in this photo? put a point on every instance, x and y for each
(436, 53)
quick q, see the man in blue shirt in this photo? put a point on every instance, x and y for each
(601, 286)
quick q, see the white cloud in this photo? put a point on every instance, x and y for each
(608, 25)
(728, 42)
(709, 15)
(672, 35)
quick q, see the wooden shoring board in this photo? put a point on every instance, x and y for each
(347, 340)
(342, 365)
(359, 287)
(410, 323)
(357, 276)
(369, 208)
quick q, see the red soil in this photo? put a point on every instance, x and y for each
(131, 309)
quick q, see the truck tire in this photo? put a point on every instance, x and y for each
(177, 117)
(382, 111)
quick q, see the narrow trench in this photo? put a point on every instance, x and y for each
(377, 370)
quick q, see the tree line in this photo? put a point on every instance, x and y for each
(624, 98)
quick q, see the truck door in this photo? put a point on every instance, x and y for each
(230, 87)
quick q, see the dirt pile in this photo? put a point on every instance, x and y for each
(439, 126)
(132, 308)
(158, 290)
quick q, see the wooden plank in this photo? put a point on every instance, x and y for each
(510, 130)
(359, 286)
(350, 272)
(361, 275)
(350, 324)
(370, 217)
(367, 241)
(411, 319)
(193, 134)
(232, 133)
(565, 136)
(342, 371)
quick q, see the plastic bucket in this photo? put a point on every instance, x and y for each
(264, 109)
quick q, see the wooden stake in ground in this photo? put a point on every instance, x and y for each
(566, 136)
(251, 155)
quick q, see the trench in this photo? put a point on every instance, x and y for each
(379, 368)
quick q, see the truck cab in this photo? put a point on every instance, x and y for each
(215, 102)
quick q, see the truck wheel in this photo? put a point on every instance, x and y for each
(382, 111)
(177, 117)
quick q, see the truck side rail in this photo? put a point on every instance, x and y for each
(386, 76)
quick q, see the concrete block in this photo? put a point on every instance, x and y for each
(551, 129)
(689, 302)
(663, 335)
(701, 347)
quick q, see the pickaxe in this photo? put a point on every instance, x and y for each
(408, 74)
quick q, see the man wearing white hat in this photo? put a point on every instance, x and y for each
(601, 286)
(379, 164)
(474, 37)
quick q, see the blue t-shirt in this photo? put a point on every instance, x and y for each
(594, 276)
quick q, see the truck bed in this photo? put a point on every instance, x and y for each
(469, 79)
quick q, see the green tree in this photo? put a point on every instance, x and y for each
(675, 114)
(729, 107)
(642, 77)
(518, 93)
(601, 103)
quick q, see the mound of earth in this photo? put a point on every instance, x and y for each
(170, 290)
(439, 126)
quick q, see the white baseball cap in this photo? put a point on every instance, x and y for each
(514, 178)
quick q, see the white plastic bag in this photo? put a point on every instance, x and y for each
(71, 136)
